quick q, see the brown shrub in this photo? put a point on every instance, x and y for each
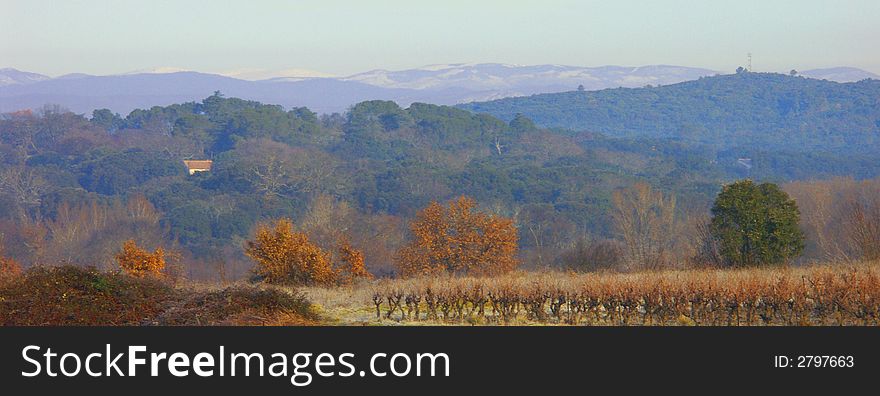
(284, 256)
(352, 265)
(75, 296)
(238, 305)
(9, 269)
(459, 239)
(80, 296)
(139, 262)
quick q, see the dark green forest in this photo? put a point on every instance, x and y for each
(69, 180)
(739, 111)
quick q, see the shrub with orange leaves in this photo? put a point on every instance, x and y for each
(288, 257)
(9, 268)
(459, 239)
(352, 265)
(139, 262)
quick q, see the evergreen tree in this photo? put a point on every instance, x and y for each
(756, 224)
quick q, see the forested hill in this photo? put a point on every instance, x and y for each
(766, 110)
(371, 168)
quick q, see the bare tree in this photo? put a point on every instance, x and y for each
(91, 233)
(862, 215)
(25, 186)
(644, 219)
(840, 217)
(276, 169)
(546, 232)
(706, 250)
(590, 254)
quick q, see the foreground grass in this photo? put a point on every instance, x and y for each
(827, 294)
(86, 297)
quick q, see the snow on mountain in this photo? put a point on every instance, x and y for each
(527, 79)
(277, 75)
(840, 74)
(10, 76)
(447, 84)
(157, 70)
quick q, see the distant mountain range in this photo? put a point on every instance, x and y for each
(439, 84)
(840, 74)
(12, 77)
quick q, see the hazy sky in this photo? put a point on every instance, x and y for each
(344, 37)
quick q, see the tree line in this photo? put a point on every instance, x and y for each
(74, 189)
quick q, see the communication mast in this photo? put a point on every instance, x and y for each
(750, 61)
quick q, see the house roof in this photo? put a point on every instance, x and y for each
(198, 164)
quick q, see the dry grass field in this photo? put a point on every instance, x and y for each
(827, 294)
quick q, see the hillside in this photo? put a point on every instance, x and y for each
(372, 168)
(765, 110)
(9, 76)
(124, 93)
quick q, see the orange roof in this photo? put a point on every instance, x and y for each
(198, 164)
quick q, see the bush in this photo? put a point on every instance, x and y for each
(595, 255)
(284, 256)
(65, 296)
(458, 239)
(352, 263)
(9, 269)
(138, 262)
(239, 305)
(75, 296)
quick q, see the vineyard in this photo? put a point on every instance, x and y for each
(844, 294)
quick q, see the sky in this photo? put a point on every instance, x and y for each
(345, 37)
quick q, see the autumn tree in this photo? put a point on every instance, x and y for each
(8, 266)
(139, 262)
(644, 219)
(351, 263)
(459, 239)
(285, 256)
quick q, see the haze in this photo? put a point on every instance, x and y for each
(344, 37)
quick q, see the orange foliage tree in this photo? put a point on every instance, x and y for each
(459, 239)
(8, 266)
(139, 262)
(288, 257)
(351, 263)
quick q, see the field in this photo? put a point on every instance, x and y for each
(829, 294)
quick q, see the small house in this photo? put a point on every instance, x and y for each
(194, 166)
